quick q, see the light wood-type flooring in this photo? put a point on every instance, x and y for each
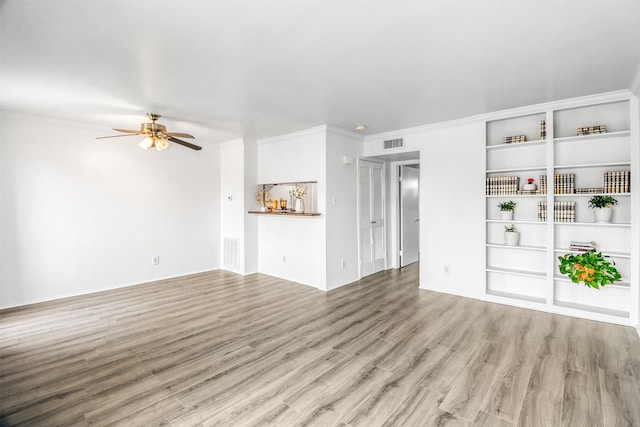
(218, 349)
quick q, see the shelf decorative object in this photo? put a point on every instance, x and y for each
(511, 235)
(602, 208)
(298, 193)
(590, 267)
(529, 186)
(263, 197)
(543, 129)
(502, 185)
(506, 209)
(616, 181)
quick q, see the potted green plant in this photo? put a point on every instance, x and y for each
(511, 235)
(507, 208)
(590, 267)
(602, 206)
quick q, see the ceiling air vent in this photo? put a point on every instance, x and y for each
(393, 143)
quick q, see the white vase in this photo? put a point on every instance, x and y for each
(507, 215)
(529, 187)
(299, 206)
(603, 214)
(511, 238)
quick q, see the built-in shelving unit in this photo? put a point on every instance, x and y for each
(527, 275)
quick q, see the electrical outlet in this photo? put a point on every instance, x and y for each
(155, 260)
(447, 270)
(343, 263)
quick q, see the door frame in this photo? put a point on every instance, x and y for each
(394, 214)
(399, 223)
(384, 199)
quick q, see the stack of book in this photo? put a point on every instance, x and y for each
(617, 182)
(564, 183)
(542, 211)
(514, 139)
(543, 129)
(589, 190)
(562, 211)
(592, 130)
(528, 191)
(502, 185)
(582, 246)
(543, 184)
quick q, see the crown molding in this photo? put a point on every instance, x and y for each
(335, 129)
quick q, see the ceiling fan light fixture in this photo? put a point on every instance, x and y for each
(161, 144)
(147, 143)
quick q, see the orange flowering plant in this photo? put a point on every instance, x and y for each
(590, 267)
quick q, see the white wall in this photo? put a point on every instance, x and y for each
(451, 195)
(342, 208)
(232, 202)
(79, 214)
(300, 241)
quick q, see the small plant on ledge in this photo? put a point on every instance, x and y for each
(507, 206)
(590, 267)
(602, 202)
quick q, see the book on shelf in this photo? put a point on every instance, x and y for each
(564, 183)
(514, 139)
(543, 184)
(562, 211)
(528, 192)
(591, 130)
(617, 181)
(502, 185)
(582, 246)
(590, 190)
(543, 129)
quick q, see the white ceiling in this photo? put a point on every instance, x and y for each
(235, 68)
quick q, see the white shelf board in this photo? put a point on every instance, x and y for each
(517, 144)
(512, 296)
(592, 309)
(513, 221)
(518, 247)
(596, 224)
(592, 165)
(516, 272)
(618, 134)
(533, 168)
(590, 194)
(624, 284)
(611, 254)
(518, 195)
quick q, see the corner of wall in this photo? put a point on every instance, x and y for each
(635, 83)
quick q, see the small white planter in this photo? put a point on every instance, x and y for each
(529, 187)
(603, 214)
(511, 238)
(507, 215)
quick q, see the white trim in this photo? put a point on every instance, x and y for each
(345, 132)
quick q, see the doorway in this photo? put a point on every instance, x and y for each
(409, 214)
(372, 216)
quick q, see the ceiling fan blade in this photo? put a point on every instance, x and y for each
(128, 130)
(118, 136)
(186, 144)
(181, 135)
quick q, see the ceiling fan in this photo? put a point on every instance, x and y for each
(156, 135)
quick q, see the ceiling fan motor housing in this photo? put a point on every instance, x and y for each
(152, 128)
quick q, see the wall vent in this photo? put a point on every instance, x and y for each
(231, 257)
(393, 143)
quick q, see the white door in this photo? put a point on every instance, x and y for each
(409, 215)
(372, 221)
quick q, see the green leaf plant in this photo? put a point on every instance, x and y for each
(590, 267)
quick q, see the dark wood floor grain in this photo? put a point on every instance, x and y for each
(218, 349)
